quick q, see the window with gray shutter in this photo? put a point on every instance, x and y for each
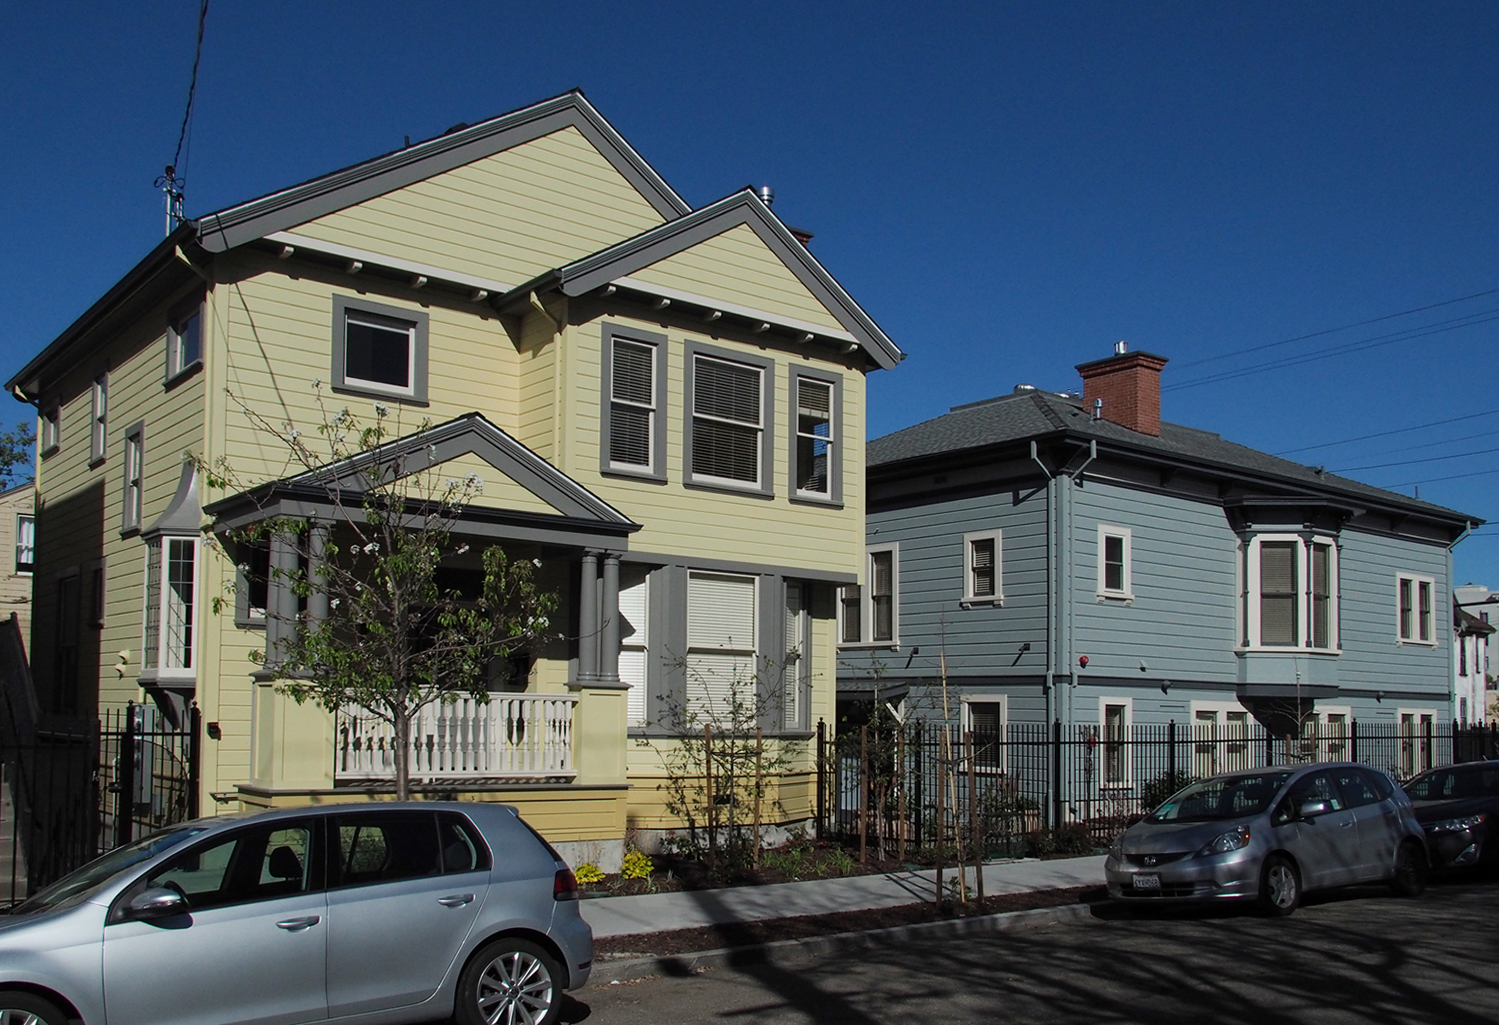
(1321, 596)
(720, 648)
(814, 436)
(882, 595)
(982, 553)
(632, 404)
(727, 424)
(1278, 593)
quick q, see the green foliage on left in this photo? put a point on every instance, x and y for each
(16, 448)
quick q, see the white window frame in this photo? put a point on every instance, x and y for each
(1127, 780)
(759, 484)
(998, 766)
(158, 549)
(1325, 749)
(796, 674)
(831, 455)
(1127, 593)
(51, 429)
(1249, 601)
(1221, 738)
(637, 707)
(866, 601)
(1414, 753)
(1416, 580)
(387, 318)
(651, 467)
(969, 597)
(22, 519)
(176, 365)
(98, 417)
(132, 498)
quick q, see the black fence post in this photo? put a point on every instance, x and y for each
(1353, 740)
(822, 739)
(194, 758)
(1056, 773)
(125, 779)
(1171, 754)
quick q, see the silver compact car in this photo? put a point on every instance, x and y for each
(1271, 835)
(381, 913)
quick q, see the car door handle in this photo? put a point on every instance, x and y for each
(296, 924)
(1346, 825)
(457, 900)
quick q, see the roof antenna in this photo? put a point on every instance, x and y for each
(172, 187)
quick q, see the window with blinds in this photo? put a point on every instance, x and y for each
(982, 581)
(1278, 594)
(721, 649)
(851, 608)
(882, 596)
(727, 421)
(634, 605)
(870, 612)
(1321, 592)
(632, 405)
(1291, 593)
(814, 437)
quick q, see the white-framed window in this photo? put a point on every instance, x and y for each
(633, 405)
(1220, 737)
(171, 609)
(983, 569)
(51, 435)
(1415, 600)
(796, 672)
(721, 632)
(1290, 597)
(98, 416)
(1326, 732)
(870, 613)
(97, 597)
(814, 461)
(1116, 720)
(185, 341)
(985, 720)
(25, 542)
(1417, 729)
(728, 422)
(634, 638)
(132, 496)
(1115, 577)
(379, 350)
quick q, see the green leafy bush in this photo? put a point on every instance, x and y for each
(1066, 841)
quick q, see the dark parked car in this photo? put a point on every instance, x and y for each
(1457, 806)
(393, 913)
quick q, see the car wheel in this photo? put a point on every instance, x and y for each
(1280, 886)
(509, 982)
(18, 1008)
(1411, 870)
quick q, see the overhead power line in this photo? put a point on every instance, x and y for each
(1335, 330)
(192, 86)
(1411, 462)
(1386, 434)
(1433, 480)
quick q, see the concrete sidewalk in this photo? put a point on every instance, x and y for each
(691, 909)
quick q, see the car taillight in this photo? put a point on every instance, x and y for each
(564, 885)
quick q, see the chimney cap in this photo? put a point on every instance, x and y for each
(1120, 360)
(1121, 347)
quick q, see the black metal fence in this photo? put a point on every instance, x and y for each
(895, 789)
(69, 794)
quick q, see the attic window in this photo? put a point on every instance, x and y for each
(379, 350)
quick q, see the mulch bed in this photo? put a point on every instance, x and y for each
(747, 934)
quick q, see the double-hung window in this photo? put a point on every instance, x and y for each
(98, 417)
(634, 374)
(1415, 611)
(133, 487)
(728, 411)
(1290, 598)
(871, 613)
(1115, 577)
(171, 609)
(51, 435)
(1115, 719)
(720, 664)
(815, 454)
(983, 577)
(25, 542)
(185, 341)
(379, 350)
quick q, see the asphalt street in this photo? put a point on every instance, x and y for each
(1356, 956)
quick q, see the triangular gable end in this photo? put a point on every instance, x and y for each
(321, 196)
(653, 248)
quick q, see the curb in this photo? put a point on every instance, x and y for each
(785, 951)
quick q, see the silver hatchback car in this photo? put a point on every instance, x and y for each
(378, 913)
(1272, 834)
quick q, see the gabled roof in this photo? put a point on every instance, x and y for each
(622, 259)
(320, 196)
(1032, 415)
(578, 508)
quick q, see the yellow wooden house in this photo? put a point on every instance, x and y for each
(665, 405)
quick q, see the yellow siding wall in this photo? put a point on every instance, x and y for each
(507, 217)
(15, 587)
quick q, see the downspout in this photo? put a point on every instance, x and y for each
(1066, 516)
(1052, 711)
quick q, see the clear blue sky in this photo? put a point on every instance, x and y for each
(1007, 188)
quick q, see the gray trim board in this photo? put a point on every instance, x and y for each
(793, 439)
(766, 486)
(730, 566)
(310, 200)
(608, 333)
(343, 305)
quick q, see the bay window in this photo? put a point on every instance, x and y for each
(171, 609)
(1290, 597)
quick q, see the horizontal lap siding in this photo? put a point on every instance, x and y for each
(738, 268)
(507, 217)
(1368, 615)
(1183, 563)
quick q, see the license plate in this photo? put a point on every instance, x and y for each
(1147, 882)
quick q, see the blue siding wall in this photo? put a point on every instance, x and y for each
(1372, 656)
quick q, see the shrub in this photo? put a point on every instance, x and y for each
(1153, 793)
(636, 865)
(588, 873)
(1065, 841)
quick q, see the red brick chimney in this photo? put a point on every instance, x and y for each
(1129, 383)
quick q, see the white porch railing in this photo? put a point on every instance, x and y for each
(510, 737)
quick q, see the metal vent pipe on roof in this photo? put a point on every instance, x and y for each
(1020, 389)
(1120, 348)
(767, 195)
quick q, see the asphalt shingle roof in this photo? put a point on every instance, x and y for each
(1032, 414)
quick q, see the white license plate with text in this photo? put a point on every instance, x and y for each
(1147, 882)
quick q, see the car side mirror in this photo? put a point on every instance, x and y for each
(157, 902)
(1311, 809)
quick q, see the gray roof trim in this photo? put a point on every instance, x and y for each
(320, 196)
(183, 516)
(743, 207)
(467, 434)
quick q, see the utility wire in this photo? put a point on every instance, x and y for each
(1433, 480)
(1410, 462)
(1376, 342)
(1386, 434)
(192, 88)
(1335, 330)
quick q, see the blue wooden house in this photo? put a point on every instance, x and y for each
(1064, 557)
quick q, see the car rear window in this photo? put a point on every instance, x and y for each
(1454, 784)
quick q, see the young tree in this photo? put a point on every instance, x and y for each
(16, 448)
(386, 636)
